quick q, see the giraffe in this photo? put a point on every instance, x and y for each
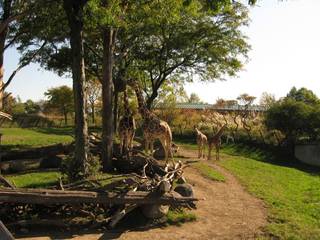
(127, 126)
(4, 116)
(202, 141)
(215, 141)
(153, 128)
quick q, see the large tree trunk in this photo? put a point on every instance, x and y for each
(107, 97)
(115, 110)
(93, 114)
(3, 36)
(74, 11)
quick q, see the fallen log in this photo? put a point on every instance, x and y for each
(36, 153)
(49, 197)
(6, 183)
(4, 233)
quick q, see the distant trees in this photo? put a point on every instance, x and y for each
(194, 98)
(61, 100)
(296, 116)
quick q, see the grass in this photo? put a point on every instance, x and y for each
(292, 196)
(20, 138)
(178, 217)
(35, 180)
(291, 190)
(209, 172)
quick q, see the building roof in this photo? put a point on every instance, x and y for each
(203, 106)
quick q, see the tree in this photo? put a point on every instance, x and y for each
(94, 94)
(186, 39)
(267, 99)
(12, 13)
(61, 99)
(296, 116)
(31, 107)
(194, 98)
(303, 95)
(74, 10)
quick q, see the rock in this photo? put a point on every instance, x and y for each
(184, 190)
(51, 162)
(155, 211)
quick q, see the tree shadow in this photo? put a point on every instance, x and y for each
(133, 221)
(56, 131)
(270, 154)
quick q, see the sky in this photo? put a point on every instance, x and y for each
(285, 41)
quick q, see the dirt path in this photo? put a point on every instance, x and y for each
(228, 212)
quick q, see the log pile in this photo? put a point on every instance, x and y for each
(148, 185)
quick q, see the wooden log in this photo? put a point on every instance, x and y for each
(4, 233)
(48, 197)
(6, 183)
(36, 153)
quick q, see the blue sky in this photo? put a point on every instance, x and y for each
(284, 36)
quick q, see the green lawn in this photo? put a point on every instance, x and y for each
(291, 191)
(35, 180)
(209, 172)
(19, 138)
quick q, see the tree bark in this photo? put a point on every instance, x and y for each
(107, 98)
(93, 113)
(3, 36)
(74, 11)
(49, 197)
(115, 110)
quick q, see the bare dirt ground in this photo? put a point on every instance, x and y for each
(228, 212)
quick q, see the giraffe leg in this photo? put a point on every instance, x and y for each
(217, 152)
(209, 152)
(151, 146)
(146, 145)
(131, 136)
(121, 144)
(169, 149)
(199, 150)
(165, 148)
(203, 151)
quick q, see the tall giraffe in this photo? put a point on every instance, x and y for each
(202, 141)
(153, 128)
(127, 126)
(216, 142)
(3, 116)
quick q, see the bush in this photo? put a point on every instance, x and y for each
(72, 171)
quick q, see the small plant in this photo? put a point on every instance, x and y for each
(71, 169)
(179, 216)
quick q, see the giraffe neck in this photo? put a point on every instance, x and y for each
(144, 111)
(219, 133)
(126, 103)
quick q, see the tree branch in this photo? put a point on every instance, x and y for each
(22, 66)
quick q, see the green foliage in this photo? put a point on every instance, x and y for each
(60, 99)
(303, 95)
(72, 171)
(296, 115)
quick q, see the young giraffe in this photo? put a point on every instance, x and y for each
(153, 128)
(216, 142)
(202, 141)
(127, 126)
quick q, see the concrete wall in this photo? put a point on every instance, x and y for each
(309, 154)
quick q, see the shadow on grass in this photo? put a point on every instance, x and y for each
(56, 131)
(132, 222)
(270, 154)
